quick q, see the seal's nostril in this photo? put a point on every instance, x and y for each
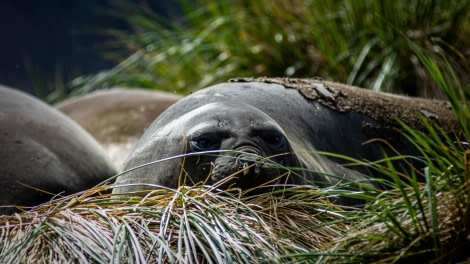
(258, 168)
(245, 168)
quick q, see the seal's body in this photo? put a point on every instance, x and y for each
(42, 149)
(117, 118)
(272, 121)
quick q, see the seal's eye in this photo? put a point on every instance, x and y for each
(207, 141)
(275, 139)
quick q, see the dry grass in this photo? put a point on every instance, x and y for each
(190, 225)
(388, 242)
(203, 225)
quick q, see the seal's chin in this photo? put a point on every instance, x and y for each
(245, 174)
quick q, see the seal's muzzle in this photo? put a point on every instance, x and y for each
(248, 160)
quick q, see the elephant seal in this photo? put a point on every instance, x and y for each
(44, 153)
(285, 121)
(117, 118)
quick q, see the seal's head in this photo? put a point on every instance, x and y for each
(228, 143)
(253, 146)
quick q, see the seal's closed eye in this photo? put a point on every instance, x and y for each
(206, 142)
(275, 139)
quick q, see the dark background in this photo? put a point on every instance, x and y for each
(54, 41)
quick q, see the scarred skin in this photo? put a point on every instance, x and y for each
(251, 115)
(42, 149)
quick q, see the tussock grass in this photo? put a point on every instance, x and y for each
(189, 225)
(203, 225)
(353, 42)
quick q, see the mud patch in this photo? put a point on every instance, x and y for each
(385, 108)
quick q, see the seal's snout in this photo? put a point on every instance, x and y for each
(248, 161)
(244, 162)
(249, 166)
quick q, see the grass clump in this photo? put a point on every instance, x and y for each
(353, 42)
(188, 225)
(425, 221)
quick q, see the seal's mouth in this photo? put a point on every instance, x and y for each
(255, 179)
(249, 161)
(245, 170)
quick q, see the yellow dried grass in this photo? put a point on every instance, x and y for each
(191, 224)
